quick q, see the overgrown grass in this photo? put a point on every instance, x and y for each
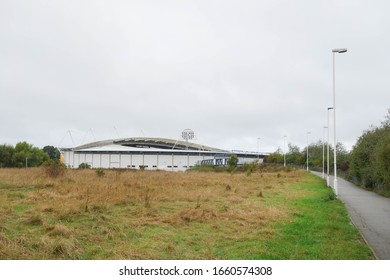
(165, 215)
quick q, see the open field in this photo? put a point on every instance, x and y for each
(164, 215)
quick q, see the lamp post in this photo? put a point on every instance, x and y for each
(258, 148)
(323, 152)
(327, 158)
(334, 51)
(307, 151)
(284, 150)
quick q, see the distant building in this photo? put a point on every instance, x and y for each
(150, 154)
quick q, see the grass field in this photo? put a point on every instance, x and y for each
(165, 215)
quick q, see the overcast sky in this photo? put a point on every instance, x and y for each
(232, 71)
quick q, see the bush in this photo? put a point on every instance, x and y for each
(54, 168)
(84, 165)
(370, 160)
(232, 163)
(249, 167)
(100, 172)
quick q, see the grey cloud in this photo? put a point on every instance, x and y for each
(232, 71)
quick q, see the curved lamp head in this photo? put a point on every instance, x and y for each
(339, 50)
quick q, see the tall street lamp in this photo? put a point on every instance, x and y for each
(323, 152)
(258, 148)
(327, 157)
(334, 51)
(307, 151)
(284, 150)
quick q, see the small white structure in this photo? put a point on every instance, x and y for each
(149, 154)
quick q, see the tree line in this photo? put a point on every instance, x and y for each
(370, 157)
(24, 154)
(298, 157)
(367, 164)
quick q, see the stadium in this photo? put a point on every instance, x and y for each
(150, 154)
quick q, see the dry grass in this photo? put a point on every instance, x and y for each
(138, 214)
(80, 190)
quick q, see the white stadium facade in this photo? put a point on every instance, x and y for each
(150, 154)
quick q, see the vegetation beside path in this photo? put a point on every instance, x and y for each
(108, 214)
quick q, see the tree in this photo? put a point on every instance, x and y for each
(23, 150)
(275, 157)
(343, 157)
(52, 151)
(386, 122)
(294, 155)
(382, 160)
(6, 154)
(298, 157)
(232, 163)
(315, 155)
(370, 157)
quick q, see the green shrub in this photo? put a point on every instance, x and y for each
(100, 172)
(249, 168)
(370, 160)
(232, 163)
(54, 168)
(84, 165)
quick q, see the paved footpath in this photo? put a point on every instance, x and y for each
(370, 213)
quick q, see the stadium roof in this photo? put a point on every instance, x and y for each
(150, 143)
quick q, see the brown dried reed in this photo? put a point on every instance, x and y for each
(121, 200)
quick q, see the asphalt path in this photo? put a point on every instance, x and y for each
(369, 212)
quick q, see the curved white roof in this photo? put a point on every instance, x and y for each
(148, 143)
